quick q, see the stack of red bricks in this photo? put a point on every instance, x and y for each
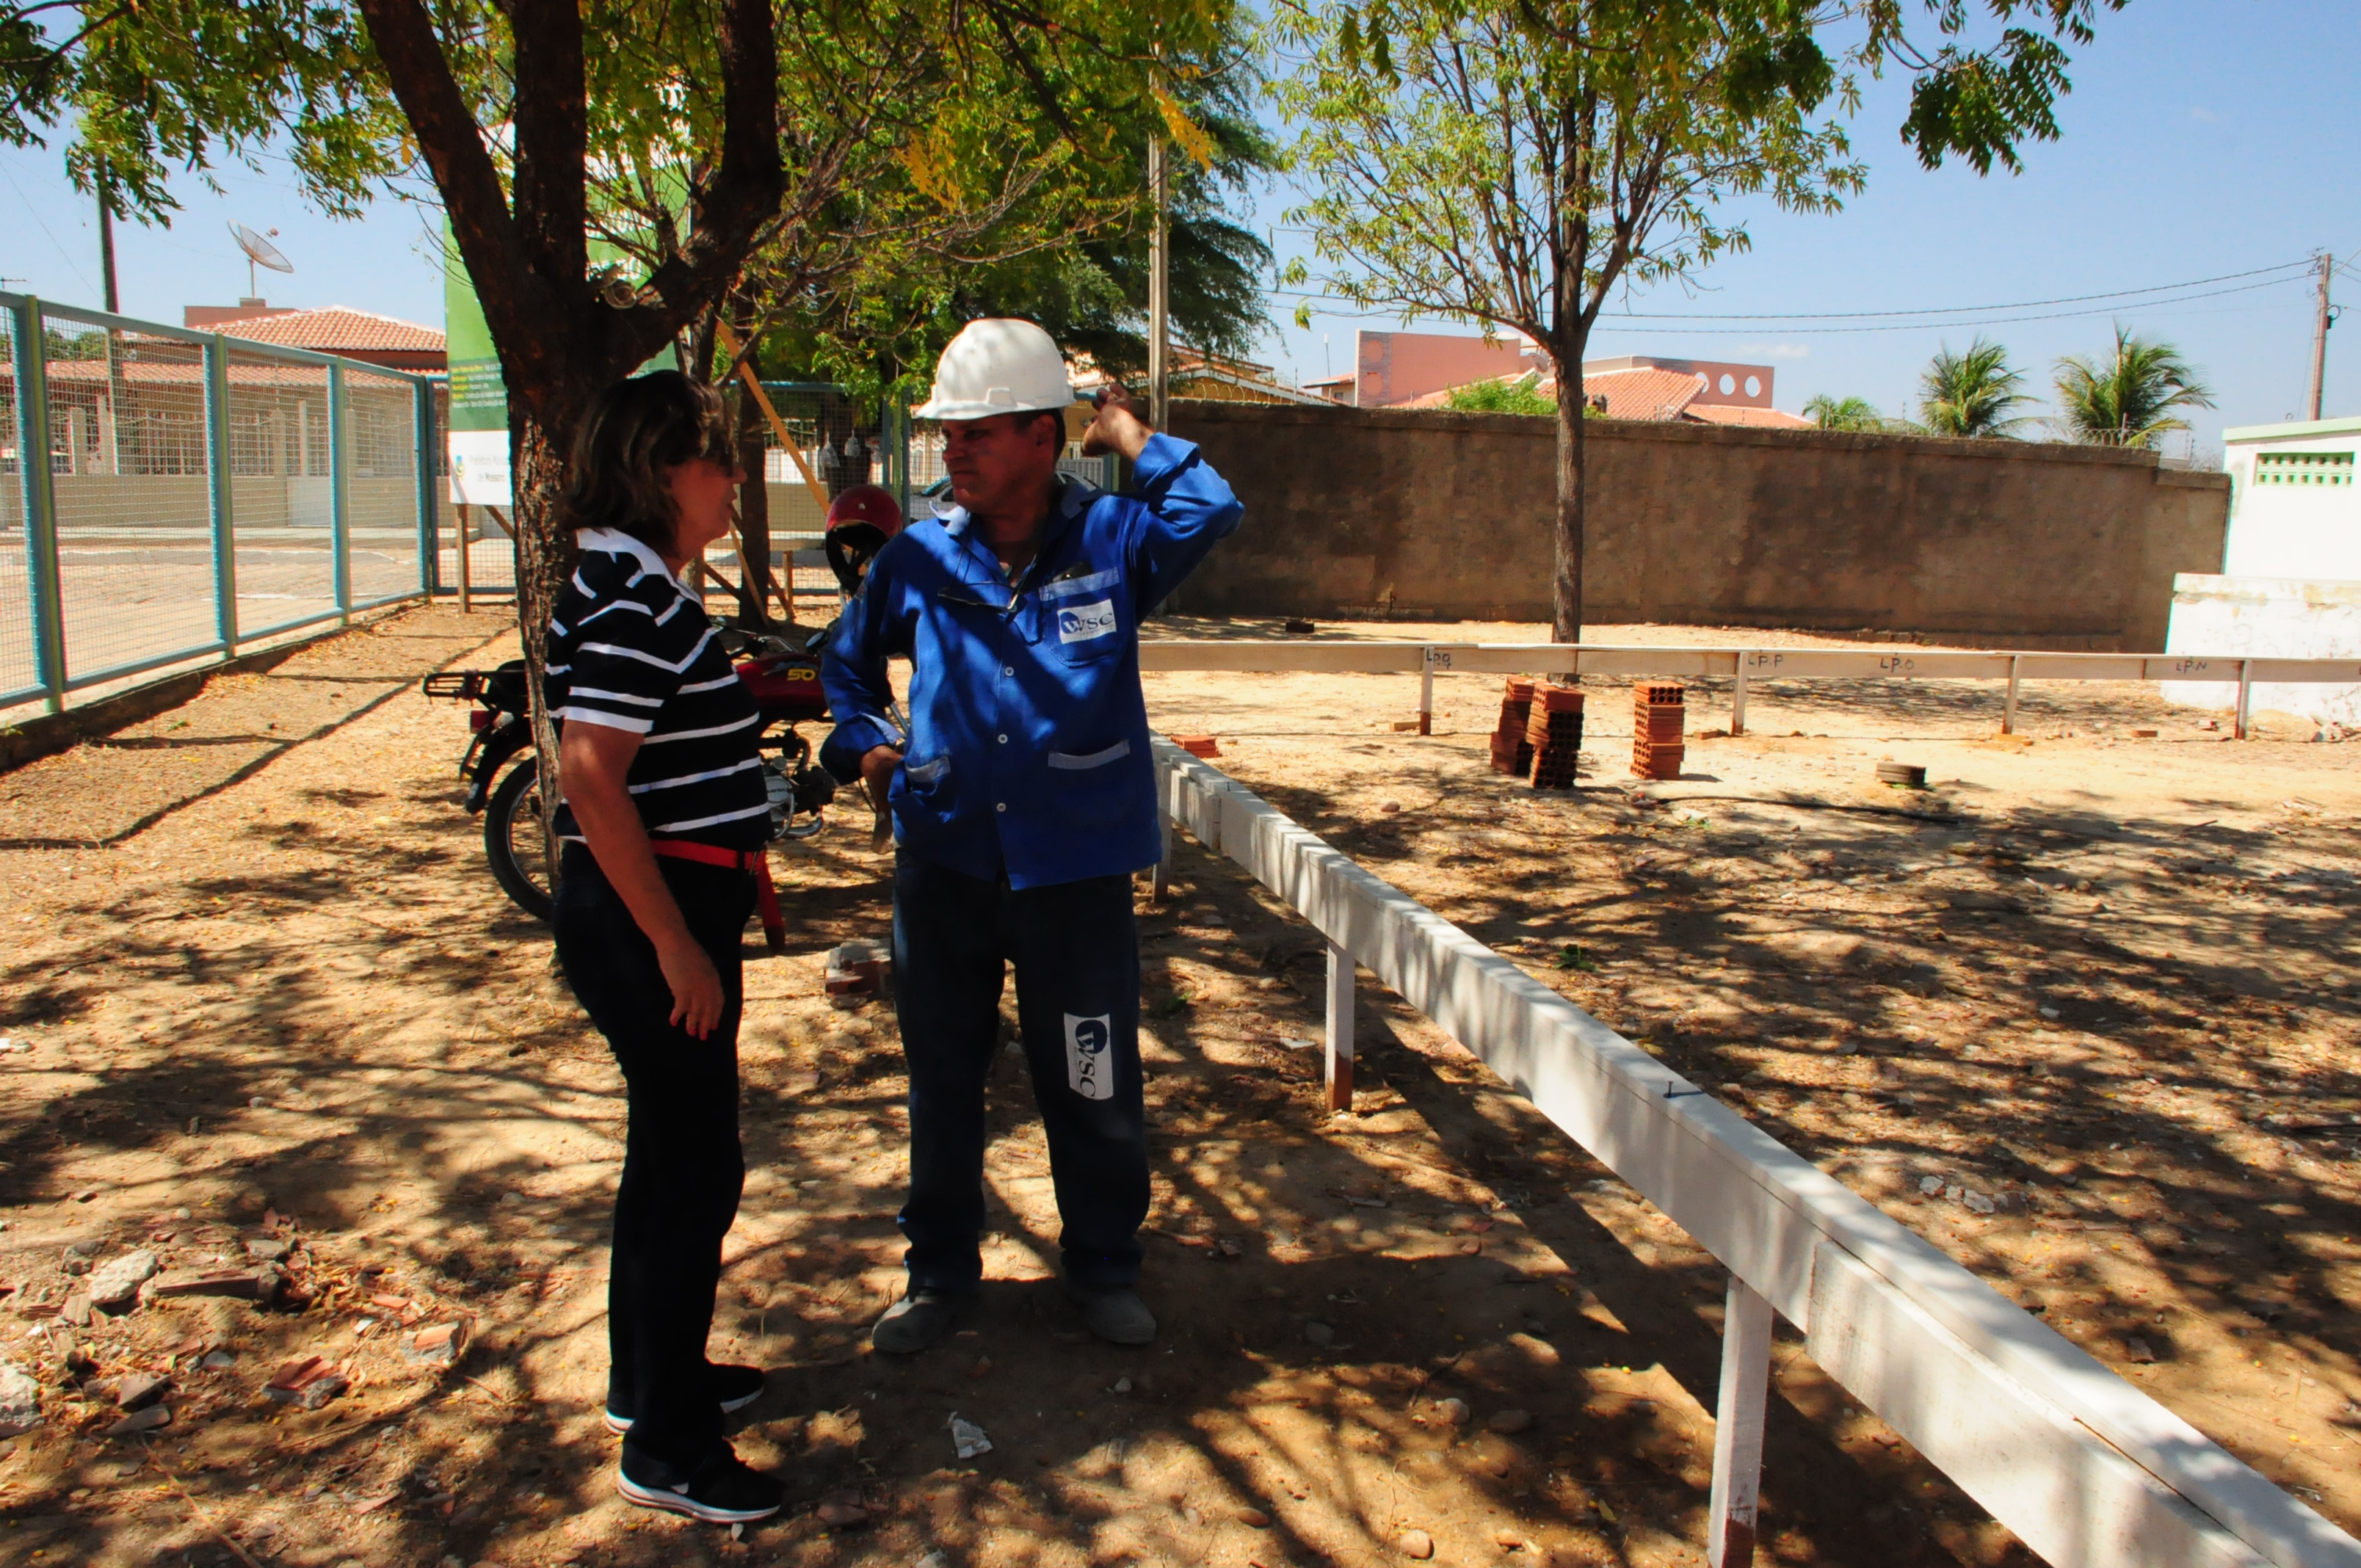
(1658, 717)
(1553, 731)
(1512, 751)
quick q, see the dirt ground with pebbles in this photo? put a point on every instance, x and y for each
(263, 998)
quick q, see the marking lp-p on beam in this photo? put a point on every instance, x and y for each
(2087, 1470)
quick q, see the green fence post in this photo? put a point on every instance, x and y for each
(218, 467)
(30, 336)
(430, 530)
(340, 541)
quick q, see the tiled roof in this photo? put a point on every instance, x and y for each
(339, 329)
(1732, 413)
(1641, 394)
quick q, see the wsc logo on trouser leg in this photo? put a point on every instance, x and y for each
(1090, 1072)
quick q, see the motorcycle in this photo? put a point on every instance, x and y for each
(504, 776)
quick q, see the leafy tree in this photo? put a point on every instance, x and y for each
(2129, 399)
(1971, 394)
(1856, 414)
(1504, 395)
(695, 133)
(1500, 162)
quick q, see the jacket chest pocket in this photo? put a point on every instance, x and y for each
(1085, 618)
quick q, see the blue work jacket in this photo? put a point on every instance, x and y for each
(1027, 754)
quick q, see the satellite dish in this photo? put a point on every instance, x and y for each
(259, 252)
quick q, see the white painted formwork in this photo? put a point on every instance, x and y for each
(2087, 1470)
(2270, 618)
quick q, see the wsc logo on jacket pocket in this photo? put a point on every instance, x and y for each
(1090, 1069)
(1084, 621)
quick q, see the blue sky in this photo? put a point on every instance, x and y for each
(2204, 138)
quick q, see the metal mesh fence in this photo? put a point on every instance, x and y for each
(281, 491)
(381, 486)
(132, 495)
(17, 671)
(197, 494)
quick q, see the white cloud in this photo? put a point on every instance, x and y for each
(2204, 115)
(1777, 350)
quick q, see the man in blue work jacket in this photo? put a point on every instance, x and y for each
(1024, 801)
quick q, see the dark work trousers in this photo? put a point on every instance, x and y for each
(682, 1168)
(1076, 952)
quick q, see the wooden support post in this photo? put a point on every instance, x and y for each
(1340, 1028)
(1160, 882)
(2008, 712)
(466, 590)
(1738, 698)
(2246, 698)
(1738, 1428)
(1426, 691)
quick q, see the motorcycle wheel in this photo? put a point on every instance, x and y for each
(514, 843)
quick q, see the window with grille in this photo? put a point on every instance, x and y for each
(2304, 468)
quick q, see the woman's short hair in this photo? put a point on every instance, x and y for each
(635, 430)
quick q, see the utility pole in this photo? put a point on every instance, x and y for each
(1160, 292)
(106, 237)
(2319, 337)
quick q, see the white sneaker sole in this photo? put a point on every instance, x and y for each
(618, 1425)
(675, 1502)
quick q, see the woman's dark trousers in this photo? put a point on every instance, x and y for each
(682, 1166)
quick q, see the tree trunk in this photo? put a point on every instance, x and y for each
(755, 512)
(1565, 583)
(545, 559)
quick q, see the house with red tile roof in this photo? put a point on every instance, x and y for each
(364, 336)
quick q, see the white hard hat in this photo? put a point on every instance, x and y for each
(997, 366)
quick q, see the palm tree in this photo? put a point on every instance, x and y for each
(2128, 401)
(1971, 394)
(1845, 413)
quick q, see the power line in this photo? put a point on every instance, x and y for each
(1764, 324)
(1972, 309)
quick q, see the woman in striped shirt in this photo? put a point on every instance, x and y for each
(663, 814)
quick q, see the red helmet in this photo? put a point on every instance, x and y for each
(860, 521)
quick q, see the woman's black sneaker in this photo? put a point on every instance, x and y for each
(721, 1490)
(735, 1387)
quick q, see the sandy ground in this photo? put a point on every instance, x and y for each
(262, 991)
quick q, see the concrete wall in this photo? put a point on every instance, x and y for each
(1994, 543)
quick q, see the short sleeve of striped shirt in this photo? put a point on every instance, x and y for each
(627, 656)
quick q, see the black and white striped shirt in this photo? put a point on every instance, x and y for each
(631, 649)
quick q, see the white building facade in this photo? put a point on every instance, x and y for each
(2290, 581)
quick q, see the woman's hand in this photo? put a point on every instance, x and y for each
(696, 987)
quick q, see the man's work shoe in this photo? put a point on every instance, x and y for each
(1116, 1314)
(733, 1389)
(719, 1490)
(917, 1321)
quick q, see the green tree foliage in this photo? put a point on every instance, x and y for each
(1504, 395)
(1072, 254)
(2130, 398)
(696, 134)
(1494, 161)
(1482, 163)
(1972, 394)
(1856, 414)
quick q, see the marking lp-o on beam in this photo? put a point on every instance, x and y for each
(2087, 1470)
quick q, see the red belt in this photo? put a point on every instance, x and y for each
(755, 863)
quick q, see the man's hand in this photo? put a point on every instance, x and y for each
(696, 987)
(1117, 427)
(877, 765)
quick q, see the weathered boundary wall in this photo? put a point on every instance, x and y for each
(1994, 542)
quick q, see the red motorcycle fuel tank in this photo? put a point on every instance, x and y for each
(785, 687)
